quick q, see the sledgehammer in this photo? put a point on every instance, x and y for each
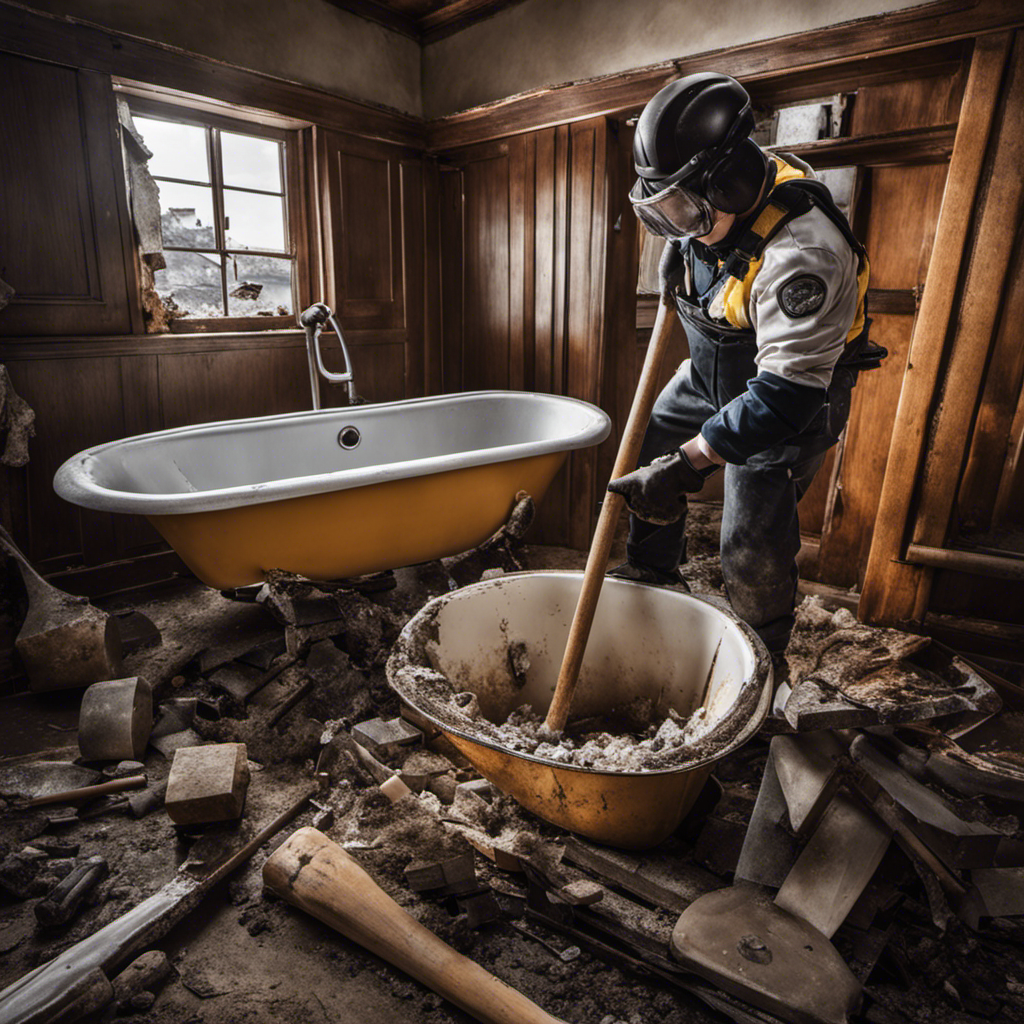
(64, 641)
(318, 876)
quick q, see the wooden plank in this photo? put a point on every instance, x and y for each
(432, 342)
(486, 264)
(517, 259)
(770, 67)
(917, 101)
(621, 314)
(450, 234)
(988, 266)
(413, 275)
(544, 259)
(670, 885)
(902, 205)
(99, 49)
(585, 335)
(925, 145)
(993, 441)
(889, 593)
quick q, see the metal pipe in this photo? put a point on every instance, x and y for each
(1007, 566)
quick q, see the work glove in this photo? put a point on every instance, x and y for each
(671, 270)
(657, 493)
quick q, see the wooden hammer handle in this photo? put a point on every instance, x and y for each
(607, 521)
(318, 876)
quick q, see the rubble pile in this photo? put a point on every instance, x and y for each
(879, 816)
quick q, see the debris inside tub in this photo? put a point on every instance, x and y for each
(622, 740)
(934, 933)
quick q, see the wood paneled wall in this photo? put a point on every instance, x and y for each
(538, 272)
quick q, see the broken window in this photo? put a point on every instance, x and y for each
(227, 246)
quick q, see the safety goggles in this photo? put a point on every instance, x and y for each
(674, 212)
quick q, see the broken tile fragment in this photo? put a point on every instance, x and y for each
(207, 783)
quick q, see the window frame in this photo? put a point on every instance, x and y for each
(295, 208)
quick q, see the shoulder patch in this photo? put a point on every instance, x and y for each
(802, 295)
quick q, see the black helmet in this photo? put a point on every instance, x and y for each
(695, 133)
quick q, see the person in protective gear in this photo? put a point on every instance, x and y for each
(769, 283)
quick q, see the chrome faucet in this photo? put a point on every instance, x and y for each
(312, 321)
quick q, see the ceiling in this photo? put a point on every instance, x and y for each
(425, 20)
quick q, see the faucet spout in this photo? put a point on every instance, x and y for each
(312, 321)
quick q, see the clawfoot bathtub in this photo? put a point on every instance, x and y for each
(336, 492)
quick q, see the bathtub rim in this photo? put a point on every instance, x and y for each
(73, 480)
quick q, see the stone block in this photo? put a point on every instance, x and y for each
(207, 783)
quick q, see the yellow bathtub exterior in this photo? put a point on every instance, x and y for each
(355, 531)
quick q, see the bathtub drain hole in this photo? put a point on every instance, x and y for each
(348, 437)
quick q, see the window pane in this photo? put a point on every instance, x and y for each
(250, 162)
(186, 215)
(190, 286)
(179, 150)
(259, 285)
(254, 222)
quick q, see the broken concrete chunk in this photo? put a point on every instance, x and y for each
(383, 738)
(807, 767)
(115, 720)
(835, 866)
(207, 783)
(17, 873)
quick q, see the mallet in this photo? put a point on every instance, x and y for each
(318, 876)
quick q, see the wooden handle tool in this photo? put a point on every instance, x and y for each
(318, 876)
(604, 534)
